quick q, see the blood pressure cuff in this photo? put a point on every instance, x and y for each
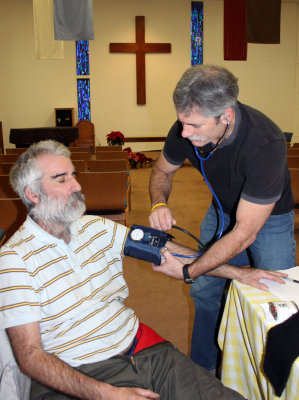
(145, 243)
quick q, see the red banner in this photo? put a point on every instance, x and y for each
(235, 45)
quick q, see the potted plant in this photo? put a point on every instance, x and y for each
(115, 138)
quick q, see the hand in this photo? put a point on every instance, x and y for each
(124, 393)
(170, 266)
(252, 276)
(161, 218)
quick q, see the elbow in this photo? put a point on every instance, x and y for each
(244, 236)
(27, 362)
(250, 239)
(24, 365)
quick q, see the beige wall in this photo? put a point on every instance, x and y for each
(31, 88)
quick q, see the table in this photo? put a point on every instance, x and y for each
(25, 137)
(242, 338)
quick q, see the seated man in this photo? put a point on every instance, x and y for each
(62, 299)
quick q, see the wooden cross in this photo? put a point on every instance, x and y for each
(140, 48)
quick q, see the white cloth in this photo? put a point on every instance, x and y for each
(45, 45)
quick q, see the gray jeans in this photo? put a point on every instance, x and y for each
(161, 368)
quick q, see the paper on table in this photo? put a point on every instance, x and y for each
(279, 311)
(288, 291)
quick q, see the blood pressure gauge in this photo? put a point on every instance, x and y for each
(137, 235)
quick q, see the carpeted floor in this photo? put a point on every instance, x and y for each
(161, 302)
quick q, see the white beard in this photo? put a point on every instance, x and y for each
(52, 211)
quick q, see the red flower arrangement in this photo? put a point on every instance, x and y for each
(115, 137)
(138, 159)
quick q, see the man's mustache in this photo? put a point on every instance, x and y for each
(77, 196)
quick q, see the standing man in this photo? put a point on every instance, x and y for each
(243, 155)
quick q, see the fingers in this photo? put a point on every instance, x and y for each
(262, 286)
(161, 218)
(148, 394)
(277, 273)
(164, 254)
(275, 276)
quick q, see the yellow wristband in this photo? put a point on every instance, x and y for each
(158, 205)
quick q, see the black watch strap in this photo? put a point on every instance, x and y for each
(187, 278)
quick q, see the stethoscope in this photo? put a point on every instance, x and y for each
(202, 159)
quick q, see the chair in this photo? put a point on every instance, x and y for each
(12, 214)
(109, 148)
(295, 145)
(9, 158)
(6, 190)
(293, 161)
(83, 155)
(86, 134)
(16, 150)
(80, 165)
(105, 194)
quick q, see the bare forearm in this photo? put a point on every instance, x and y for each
(160, 186)
(220, 253)
(226, 271)
(222, 271)
(59, 376)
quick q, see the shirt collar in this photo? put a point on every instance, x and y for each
(44, 236)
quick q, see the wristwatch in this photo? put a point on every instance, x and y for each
(187, 278)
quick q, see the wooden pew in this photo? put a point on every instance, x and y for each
(83, 155)
(107, 165)
(12, 214)
(9, 158)
(6, 191)
(293, 161)
(112, 155)
(16, 150)
(295, 187)
(80, 165)
(109, 148)
(105, 194)
(5, 167)
(110, 166)
(79, 149)
(293, 151)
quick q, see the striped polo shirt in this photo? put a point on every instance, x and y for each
(75, 291)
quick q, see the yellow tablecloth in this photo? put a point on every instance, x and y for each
(242, 338)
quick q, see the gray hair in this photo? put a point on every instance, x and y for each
(25, 172)
(208, 89)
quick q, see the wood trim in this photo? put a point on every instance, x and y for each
(132, 139)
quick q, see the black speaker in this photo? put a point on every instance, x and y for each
(64, 116)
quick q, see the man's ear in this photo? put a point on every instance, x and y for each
(33, 197)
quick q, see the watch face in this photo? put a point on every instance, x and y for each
(137, 235)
